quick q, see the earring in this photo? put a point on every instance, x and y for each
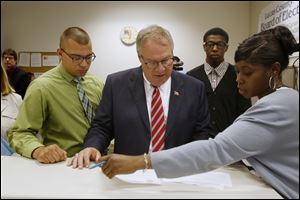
(274, 83)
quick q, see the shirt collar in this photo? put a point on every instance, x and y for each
(162, 88)
(65, 74)
(220, 70)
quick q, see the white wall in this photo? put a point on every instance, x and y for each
(36, 26)
(255, 9)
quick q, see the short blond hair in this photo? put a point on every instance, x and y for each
(75, 33)
(6, 88)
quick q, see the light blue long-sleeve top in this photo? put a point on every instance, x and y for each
(267, 135)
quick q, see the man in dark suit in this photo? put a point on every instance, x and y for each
(18, 78)
(127, 111)
(219, 77)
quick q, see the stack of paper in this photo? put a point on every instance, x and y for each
(217, 180)
(140, 176)
(213, 179)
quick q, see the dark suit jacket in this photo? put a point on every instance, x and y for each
(19, 80)
(122, 114)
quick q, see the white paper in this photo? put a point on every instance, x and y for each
(217, 180)
(24, 59)
(50, 60)
(141, 177)
(36, 59)
(213, 179)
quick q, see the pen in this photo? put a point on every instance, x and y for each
(100, 164)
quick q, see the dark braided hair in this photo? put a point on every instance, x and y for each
(268, 47)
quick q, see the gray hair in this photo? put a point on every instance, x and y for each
(153, 32)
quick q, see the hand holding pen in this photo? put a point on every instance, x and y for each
(84, 158)
(100, 164)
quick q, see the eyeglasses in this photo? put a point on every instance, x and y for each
(211, 45)
(153, 64)
(77, 59)
(8, 58)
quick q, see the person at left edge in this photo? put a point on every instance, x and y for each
(18, 78)
(52, 107)
(10, 104)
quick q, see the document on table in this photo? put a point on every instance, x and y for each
(140, 176)
(213, 179)
(218, 180)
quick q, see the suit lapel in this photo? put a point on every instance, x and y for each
(176, 98)
(136, 85)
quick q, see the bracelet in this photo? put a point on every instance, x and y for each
(146, 161)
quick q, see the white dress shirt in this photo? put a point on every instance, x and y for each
(10, 105)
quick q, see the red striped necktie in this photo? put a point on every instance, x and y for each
(158, 125)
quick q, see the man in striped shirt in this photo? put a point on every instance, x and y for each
(219, 77)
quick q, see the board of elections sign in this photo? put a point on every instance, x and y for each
(285, 13)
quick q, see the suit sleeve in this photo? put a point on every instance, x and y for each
(101, 131)
(203, 129)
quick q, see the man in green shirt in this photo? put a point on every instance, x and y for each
(52, 107)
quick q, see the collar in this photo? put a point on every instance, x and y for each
(65, 74)
(220, 70)
(161, 88)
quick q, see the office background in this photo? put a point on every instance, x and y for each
(36, 26)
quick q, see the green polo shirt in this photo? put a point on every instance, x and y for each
(53, 109)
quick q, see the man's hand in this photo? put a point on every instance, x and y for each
(83, 158)
(49, 154)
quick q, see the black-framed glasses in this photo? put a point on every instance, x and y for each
(153, 64)
(77, 59)
(211, 45)
(5, 57)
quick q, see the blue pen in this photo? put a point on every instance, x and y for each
(100, 164)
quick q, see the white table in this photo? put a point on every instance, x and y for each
(25, 178)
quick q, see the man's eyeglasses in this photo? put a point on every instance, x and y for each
(8, 57)
(153, 64)
(211, 45)
(77, 59)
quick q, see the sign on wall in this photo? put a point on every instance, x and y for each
(284, 13)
